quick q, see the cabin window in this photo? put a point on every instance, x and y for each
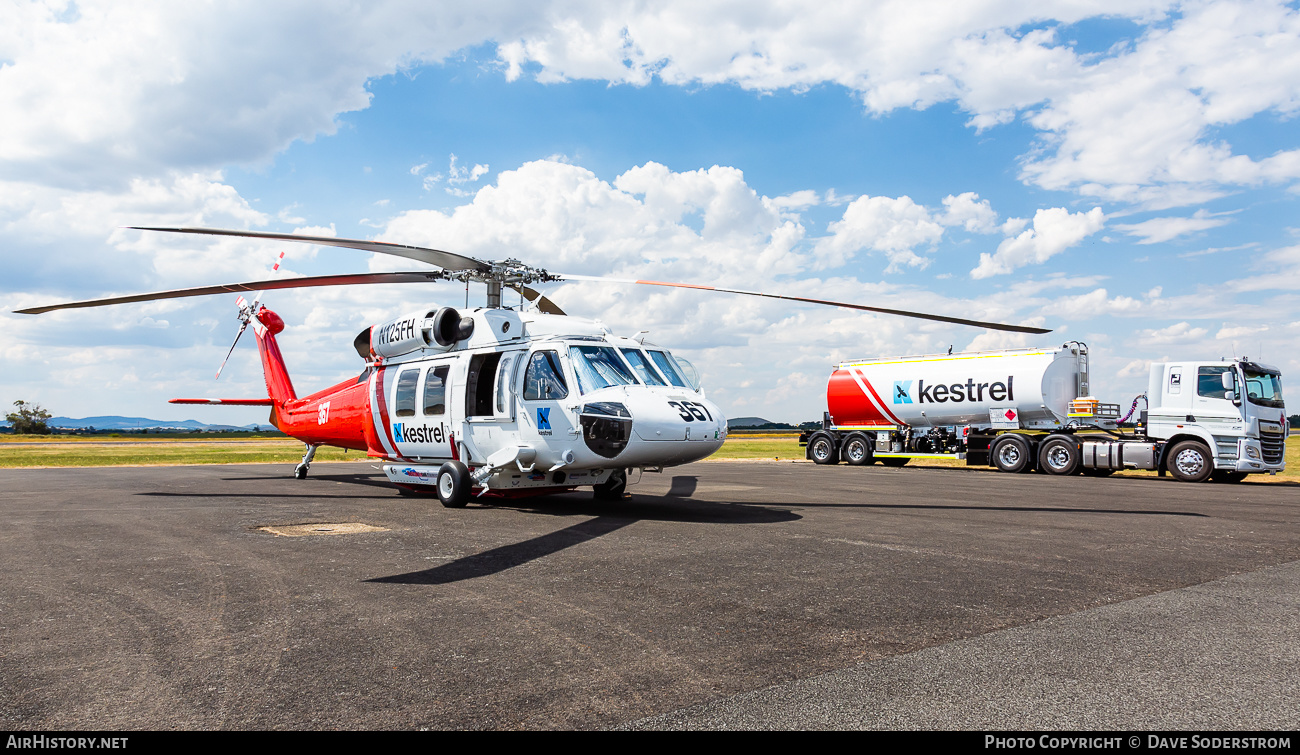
(598, 367)
(1209, 381)
(479, 383)
(435, 391)
(544, 379)
(641, 366)
(406, 393)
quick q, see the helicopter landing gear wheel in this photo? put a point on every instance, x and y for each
(300, 471)
(613, 488)
(453, 485)
(857, 451)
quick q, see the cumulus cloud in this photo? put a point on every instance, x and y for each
(894, 226)
(1055, 230)
(969, 211)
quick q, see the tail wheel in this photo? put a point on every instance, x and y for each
(821, 449)
(857, 450)
(453, 485)
(1010, 453)
(1190, 461)
(613, 488)
(1059, 455)
(894, 461)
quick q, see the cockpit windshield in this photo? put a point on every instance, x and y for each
(641, 366)
(1264, 388)
(664, 361)
(598, 367)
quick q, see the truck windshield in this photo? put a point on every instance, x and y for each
(1264, 389)
(598, 367)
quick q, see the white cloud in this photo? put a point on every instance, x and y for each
(1159, 230)
(1228, 332)
(1055, 230)
(970, 212)
(117, 90)
(883, 224)
(1176, 334)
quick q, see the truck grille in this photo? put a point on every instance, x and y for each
(1272, 442)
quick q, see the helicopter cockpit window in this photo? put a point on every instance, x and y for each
(406, 392)
(641, 366)
(598, 367)
(435, 391)
(544, 380)
(666, 365)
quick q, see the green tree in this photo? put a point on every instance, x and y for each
(29, 419)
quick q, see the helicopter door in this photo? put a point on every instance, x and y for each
(543, 421)
(490, 403)
(420, 427)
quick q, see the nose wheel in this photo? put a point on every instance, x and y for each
(300, 471)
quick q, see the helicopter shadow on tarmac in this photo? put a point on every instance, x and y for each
(607, 517)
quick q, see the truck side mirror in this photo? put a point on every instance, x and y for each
(1229, 380)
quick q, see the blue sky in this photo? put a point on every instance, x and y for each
(1124, 173)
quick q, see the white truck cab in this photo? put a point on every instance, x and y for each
(1234, 408)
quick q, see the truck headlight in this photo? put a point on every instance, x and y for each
(1252, 452)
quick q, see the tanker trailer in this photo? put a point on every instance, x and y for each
(1024, 409)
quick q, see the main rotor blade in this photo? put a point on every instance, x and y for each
(533, 295)
(445, 260)
(310, 282)
(864, 308)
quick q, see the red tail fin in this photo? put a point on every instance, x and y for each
(278, 385)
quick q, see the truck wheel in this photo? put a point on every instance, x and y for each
(453, 485)
(1190, 461)
(821, 448)
(857, 450)
(1010, 453)
(1059, 455)
(1219, 475)
(613, 488)
(894, 461)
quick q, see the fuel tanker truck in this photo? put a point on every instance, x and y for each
(1021, 410)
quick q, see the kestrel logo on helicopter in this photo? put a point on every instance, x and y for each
(421, 434)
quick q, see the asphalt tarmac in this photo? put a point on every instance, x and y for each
(720, 595)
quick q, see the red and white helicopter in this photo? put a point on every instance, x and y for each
(492, 400)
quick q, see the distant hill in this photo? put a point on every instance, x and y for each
(748, 422)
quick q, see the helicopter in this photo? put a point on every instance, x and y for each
(492, 401)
